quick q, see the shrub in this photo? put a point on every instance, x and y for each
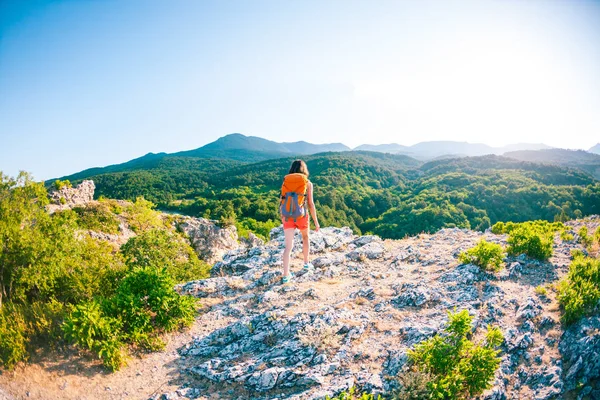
(113, 205)
(43, 320)
(579, 291)
(498, 228)
(144, 305)
(58, 184)
(353, 394)
(414, 385)
(13, 339)
(460, 369)
(539, 226)
(541, 290)
(146, 301)
(533, 238)
(597, 235)
(141, 216)
(562, 217)
(92, 269)
(525, 240)
(576, 253)
(566, 236)
(488, 256)
(56, 282)
(97, 217)
(161, 249)
(89, 327)
(584, 238)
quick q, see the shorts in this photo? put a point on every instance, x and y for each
(301, 223)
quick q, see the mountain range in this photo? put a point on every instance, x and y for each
(235, 180)
(236, 148)
(434, 149)
(422, 150)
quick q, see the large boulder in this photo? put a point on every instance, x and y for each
(209, 240)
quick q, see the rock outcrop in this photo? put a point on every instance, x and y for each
(351, 320)
(209, 240)
(73, 196)
(580, 350)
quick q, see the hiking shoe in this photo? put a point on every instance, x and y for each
(287, 278)
(309, 266)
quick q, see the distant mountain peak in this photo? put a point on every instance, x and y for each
(235, 141)
(595, 149)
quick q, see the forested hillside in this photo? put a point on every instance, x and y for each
(584, 160)
(389, 195)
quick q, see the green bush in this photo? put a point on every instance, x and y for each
(13, 340)
(535, 244)
(575, 253)
(144, 305)
(97, 217)
(89, 327)
(538, 226)
(498, 228)
(460, 369)
(161, 249)
(146, 301)
(113, 205)
(584, 237)
(58, 184)
(597, 235)
(579, 291)
(43, 320)
(541, 290)
(488, 256)
(566, 236)
(91, 269)
(353, 394)
(142, 217)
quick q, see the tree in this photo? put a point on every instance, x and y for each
(22, 242)
(161, 249)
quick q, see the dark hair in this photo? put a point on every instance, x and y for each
(299, 167)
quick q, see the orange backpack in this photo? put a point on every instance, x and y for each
(293, 196)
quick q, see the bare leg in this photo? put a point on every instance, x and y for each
(289, 243)
(305, 245)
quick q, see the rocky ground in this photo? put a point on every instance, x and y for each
(351, 319)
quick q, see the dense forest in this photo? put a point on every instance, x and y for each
(385, 194)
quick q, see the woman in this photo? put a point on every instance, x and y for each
(296, 192)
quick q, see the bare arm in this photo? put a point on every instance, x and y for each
(311, 206)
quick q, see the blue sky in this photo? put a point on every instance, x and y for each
(92, 83)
